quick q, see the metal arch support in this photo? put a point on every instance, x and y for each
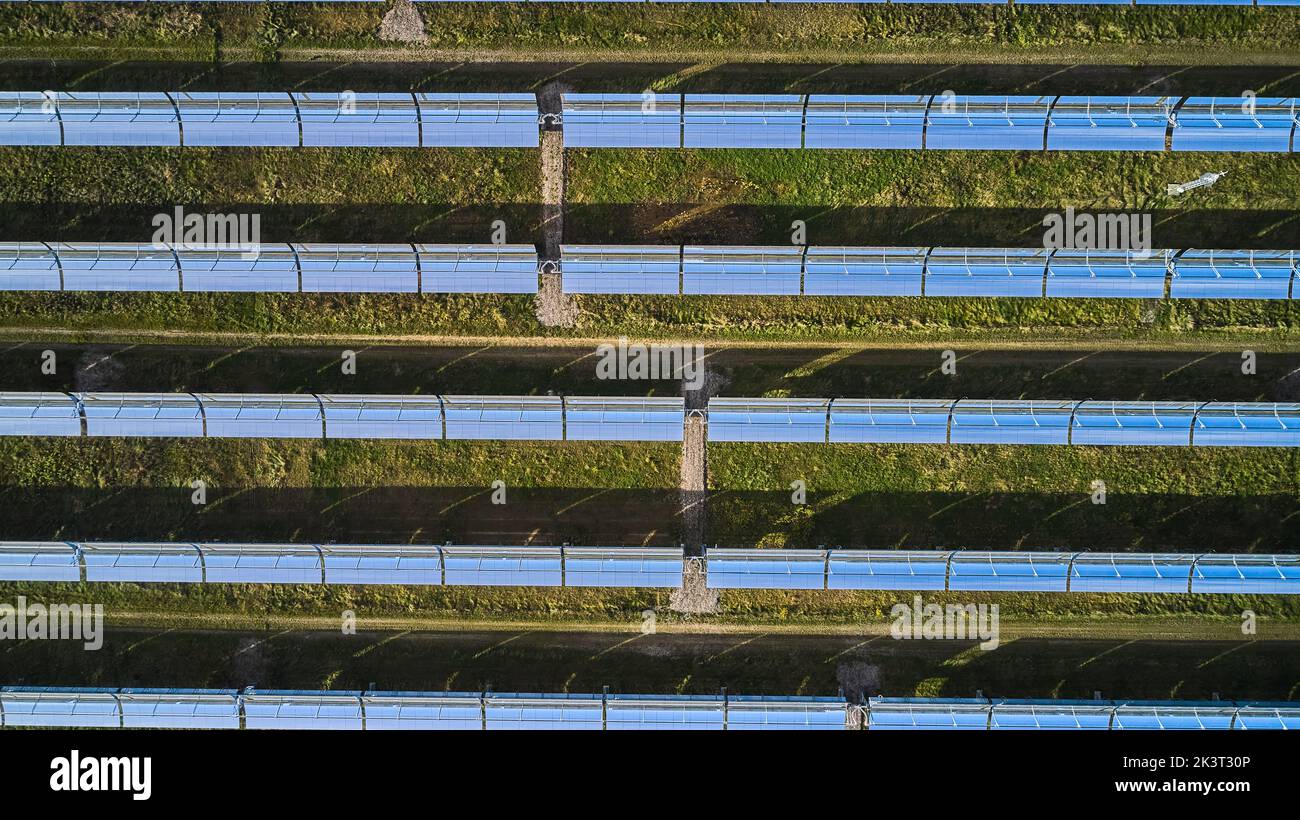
(1171, 266)
(419, 270)
(442, 566)
(803, 268)
(1171, 120)
(81, 560)
(925, 128)
(726, 709)
(361, 701)
(482, 708)
(1069, 570)
(121, 712)
(803, 135)
(180, 124)
(297, 114)
(1047, 267)
(81, 414)
(827, 432)
(1191, 570)
(442, 416)
(180, 272)
(563, 566)
(297, 264)
(1110, 721)
(545, 266)
(324, 430)
(239, 706)
(1047, 122)
(203, 562)
(320, 553)
(203, 414)
(419, 120)
(58, 262)
(53, 97)
(2, 711)
(952, 411)
(826, 569)
(947, 570)
(925, 267)
(564, 419)
(1069, 427)
(1191, 430)
(1295, 121)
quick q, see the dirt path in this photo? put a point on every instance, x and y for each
(554, 307)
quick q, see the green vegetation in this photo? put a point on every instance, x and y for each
(697, 663)
(941, 179)
(433, 492)
(987, 497)
(663, 31)
(439, 196)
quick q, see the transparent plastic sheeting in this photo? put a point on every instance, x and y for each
(105, 708)
(1027, 571)
(928, 271)
(456, 565)
(267, 268)
(102, 708)
(352, 416)
(363, 564)
(991, 421)
(258, 118)
(937, 122)
(652, 269)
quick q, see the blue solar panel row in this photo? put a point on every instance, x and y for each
(365, 564)
(194, 118)
(986, 421)
(455, 565)
(917, 271)
(653, 269)
(105, 708)
(269, 268)
(340, 416)
(936, 122)
(651, 120)
(609, 418)
(68, 707)
(984, 571)
(981, 714)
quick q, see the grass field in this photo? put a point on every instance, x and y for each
(855, 32)
(726, 196)
(508, 368)
(985, 497)
(696, 663)
(430, 493)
